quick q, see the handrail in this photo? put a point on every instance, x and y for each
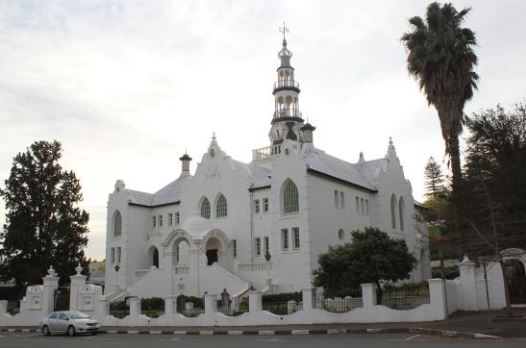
(288, 112)
(286, 83)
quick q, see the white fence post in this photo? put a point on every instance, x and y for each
(3, 307)
(77, 281)
(369, 294)
(50, 284)
(307, 299)
(135, 306)
(255, 301)
(170, 306)
(437, 295)
(103, 308)
(210, 303)
(469, 285)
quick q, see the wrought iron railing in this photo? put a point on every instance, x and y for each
(289, 112)
(286, 83)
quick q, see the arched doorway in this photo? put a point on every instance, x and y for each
(213, 247)
(154, 256)
(181, 252)
(516, 274)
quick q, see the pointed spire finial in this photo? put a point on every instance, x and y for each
(284, 30)
(391, 152)
(361, 159)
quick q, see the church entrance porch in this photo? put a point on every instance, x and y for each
(213, 247)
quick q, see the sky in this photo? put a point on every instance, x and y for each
(128, 86)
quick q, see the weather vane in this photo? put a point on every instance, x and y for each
(284, 30)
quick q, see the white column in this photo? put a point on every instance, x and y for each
(437, 295)
(77, 281)
(135, 306)
(3, 307)
(307, 299)
(48, 295)
(468, 300)
(369, 294)
(210, 303)
(255, 301)
(170, 305)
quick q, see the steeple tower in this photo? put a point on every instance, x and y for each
(287, 117)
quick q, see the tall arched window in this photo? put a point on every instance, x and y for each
(221, 206)
(401, 208)
(393, 211)
(117, 224)
(205, 208)
(289, 197)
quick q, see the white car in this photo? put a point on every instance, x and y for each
(68, 322)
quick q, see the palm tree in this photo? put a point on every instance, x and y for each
(441, 58)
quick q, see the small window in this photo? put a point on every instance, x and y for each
(265, 205)
(117, 224)
(160, 221)
(296, 234)
(177, 218)
(342, 200)
(112, 255)
(221, 206)
(290, 197)
(53, 315)
(336, 199)
(205, 208)
(234, 248)
(62, 316)
(341, 234)
(170, 219)
(367, 206)
(256, 206)
(393, 211)
(258, 246)
(119, 255)
(284, 239)
(362, 206)
(266, 245)
(357, 202)
(154, 222)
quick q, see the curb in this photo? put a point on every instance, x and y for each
(372, 330)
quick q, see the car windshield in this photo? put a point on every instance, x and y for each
(78, 315)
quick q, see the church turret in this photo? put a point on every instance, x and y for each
(185, 161)
(307, 133)
(287, 117)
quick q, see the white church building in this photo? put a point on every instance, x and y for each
(261, 224)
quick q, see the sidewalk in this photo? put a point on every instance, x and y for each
(460, 324)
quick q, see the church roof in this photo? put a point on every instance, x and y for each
(139, 198)
(337, 168)
(371, 170)
(168, 194)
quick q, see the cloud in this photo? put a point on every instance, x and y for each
(127, 86)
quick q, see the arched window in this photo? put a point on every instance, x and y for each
(393, 211)
(221, 206)
(117, 224)
(205, 208)
(401, 208)
(341, 234)
(289, 197)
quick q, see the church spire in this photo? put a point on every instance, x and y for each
(287, 117)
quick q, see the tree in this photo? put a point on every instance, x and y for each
(441, 58)
(370, 257)
(44, 225)
(434, 181)
(495, 173)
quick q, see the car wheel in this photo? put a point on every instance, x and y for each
(71, 331)
(45, 330)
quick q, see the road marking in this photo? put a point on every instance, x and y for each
(266, 333)
(299, 332)
(235, 332)
(336, 331)
(176, 339)
(206, 332)
(179, 332)
(412, 337)
(156, 332)
(133, 332)
(26, 330)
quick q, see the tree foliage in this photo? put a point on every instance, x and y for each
(44, 225)
(370, 257)
(434, 179)
(441, 58)
(495, 172)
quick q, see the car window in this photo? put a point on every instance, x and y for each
(62, 316)
(78, 315)
(53, 315)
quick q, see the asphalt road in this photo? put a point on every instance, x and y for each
(326, 341)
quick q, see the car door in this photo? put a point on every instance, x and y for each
(52, 321)
(62, 322)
